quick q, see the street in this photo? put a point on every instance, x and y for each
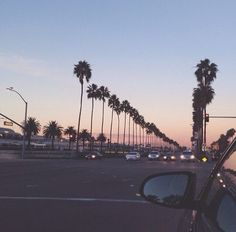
(85, 195)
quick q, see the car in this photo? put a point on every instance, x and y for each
(133, 155)
(93, 155)
(169, 156)
(213, 210)
(154, 155)
(187, 155)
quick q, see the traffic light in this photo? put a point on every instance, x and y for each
(207, 117)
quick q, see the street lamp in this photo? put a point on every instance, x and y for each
(26, 104)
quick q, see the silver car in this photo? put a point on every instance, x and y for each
(187, 156)
(154, 155)
(133, 155)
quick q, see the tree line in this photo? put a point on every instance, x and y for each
(136, 131)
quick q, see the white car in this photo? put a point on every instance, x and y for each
(187, 156)
(154, 155)
(133, 155)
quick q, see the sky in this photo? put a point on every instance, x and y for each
(144, 51)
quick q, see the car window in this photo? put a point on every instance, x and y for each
(226, 212)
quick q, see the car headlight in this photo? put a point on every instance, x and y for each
(192, 157)
(93, 156)
(182, 157)
(157, 156)
(172, 157)
(165, 157)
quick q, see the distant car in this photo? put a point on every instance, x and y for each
(93, 155)
(187, 156)
(154, 155)
(169, 156)
(133, 155)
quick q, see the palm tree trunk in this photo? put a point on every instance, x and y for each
(91, 123)
(136, 133)
(129, 132)
(53, 142)
(133, 134)
(81, 101)
(102, 116)
(124, 133)
(29, 140)
(124, 130)
(118, 129)
(204, 118)
(111, 125)
(140, 139)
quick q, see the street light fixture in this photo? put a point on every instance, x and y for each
(26, 105)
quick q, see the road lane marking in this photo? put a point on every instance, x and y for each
(74, 199)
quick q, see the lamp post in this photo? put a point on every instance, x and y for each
(26, 105)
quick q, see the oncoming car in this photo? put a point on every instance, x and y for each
(133, 155)
(213, 210)
(187, 155)
(154, 155)
(169, 156)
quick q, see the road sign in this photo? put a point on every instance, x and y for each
(6, 123)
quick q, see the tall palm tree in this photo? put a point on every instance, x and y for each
(93, 93)
(83, 72)
(71, 132)
(131, 115)
(205, 74)
(125, 105)
(112, 101)
(52, 130)
(32, 127)
(84, 135)
(103, 94)
(118, 111)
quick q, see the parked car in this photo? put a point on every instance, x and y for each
(187, 155)
(169, 156)
(93, 155)
(133, 155)
(213, 210)
(154, 155)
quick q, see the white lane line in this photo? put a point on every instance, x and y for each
(74, 199)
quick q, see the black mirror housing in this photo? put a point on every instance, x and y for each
(171, 189)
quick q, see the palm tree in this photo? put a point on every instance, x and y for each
(131, 114)
(32, 127)
(112, 101)
(93, 94)
(125, 105)
(205, 74)
(71, 132)
(102, 138)
(103, 94)
(83, 72)
(52, 130)
(84, 135)
(118, 111)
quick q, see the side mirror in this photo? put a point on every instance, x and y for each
(173, 189)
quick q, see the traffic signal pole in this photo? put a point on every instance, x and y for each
(206, 119)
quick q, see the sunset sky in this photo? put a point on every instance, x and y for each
(144, 51)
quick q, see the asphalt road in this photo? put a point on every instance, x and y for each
(84, 195)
